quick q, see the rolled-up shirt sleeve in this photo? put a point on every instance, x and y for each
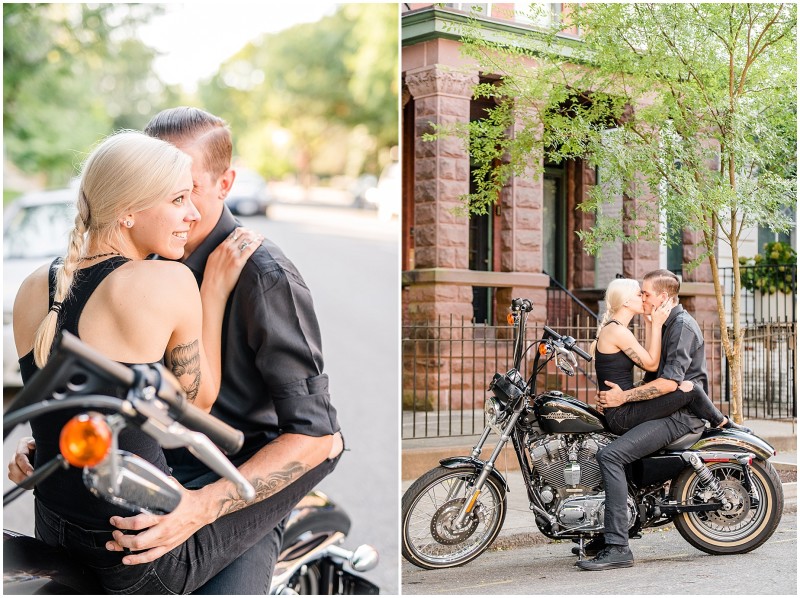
(284, 335)
(682, 344)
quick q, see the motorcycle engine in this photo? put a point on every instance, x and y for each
(568, 463)
(569, 480)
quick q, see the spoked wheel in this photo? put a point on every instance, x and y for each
(749, 522)
(431, 537)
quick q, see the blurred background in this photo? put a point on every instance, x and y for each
(311, 94)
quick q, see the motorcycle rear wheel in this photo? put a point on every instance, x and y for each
(429, 507)
(745, 527)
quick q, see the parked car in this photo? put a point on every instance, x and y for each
(249, 194)
(360, 188)
(387, 195)
(36, 230)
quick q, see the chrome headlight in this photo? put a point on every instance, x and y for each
(492, 409)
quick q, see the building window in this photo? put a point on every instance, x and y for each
(767, 235)
(675, 249)
(554, 224)
(483, 8)
(481, 237)
(539, 14)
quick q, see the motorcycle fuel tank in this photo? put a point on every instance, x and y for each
(561, 414)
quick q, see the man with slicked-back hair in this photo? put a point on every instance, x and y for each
(682, 358)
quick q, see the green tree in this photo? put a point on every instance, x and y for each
(319, 81)
(71, 74)
(689, 110)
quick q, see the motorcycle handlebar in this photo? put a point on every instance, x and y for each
(569, 343)
(581, 352)
(168, 389)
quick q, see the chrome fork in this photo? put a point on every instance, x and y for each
(488, 467)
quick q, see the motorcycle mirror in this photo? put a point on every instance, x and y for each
(364, 558)
(130, 481)
(565, 366)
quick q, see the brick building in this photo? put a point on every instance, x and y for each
(470, 267)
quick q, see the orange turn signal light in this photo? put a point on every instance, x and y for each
(510, 319)
(542, 349)
(85, 440)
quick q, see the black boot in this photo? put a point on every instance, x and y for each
(730, 425)
(592, 547)
(611, 557)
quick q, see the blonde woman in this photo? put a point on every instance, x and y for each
(617, 351)
(134, 200)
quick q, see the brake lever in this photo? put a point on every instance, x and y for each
(172, 434)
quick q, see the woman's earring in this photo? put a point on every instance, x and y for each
(129, 223)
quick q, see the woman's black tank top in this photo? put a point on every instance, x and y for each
(613, 367)
(64, 491)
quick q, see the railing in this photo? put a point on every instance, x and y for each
(447, 369)
(563, 306)
(769, 375)
(775, 301)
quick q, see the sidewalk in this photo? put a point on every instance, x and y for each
(519, 529)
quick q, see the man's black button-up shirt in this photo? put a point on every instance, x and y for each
(272, 369)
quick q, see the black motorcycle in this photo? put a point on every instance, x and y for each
(716, 486)
(311, 561)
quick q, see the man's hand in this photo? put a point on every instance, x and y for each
(275, 466)
(20, 466)
(614, 397)
(163, 532)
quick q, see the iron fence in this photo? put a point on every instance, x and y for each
(769, 382)
(448, 365)
(768, 293)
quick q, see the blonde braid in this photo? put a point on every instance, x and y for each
(65, 274)
(603, 321)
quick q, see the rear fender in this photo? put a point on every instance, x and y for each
(315, 516)
(734, 440)
(456, 462)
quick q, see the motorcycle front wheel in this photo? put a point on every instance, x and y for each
(430, 507)
(747, 525)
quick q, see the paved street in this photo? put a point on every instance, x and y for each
(665, 564)
(350, 262)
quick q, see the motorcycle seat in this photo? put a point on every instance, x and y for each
(684, 442)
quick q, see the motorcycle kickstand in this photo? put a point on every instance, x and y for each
(581, 549)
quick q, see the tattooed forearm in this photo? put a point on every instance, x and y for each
(634, 357)
(185, 360)
(642, 394)
(265, 487)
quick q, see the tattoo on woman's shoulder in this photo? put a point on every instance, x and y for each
(634, 357)
(185, 360)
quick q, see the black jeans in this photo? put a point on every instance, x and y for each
(190, 565)
(628, 416)
(642, 440)
(251, 573)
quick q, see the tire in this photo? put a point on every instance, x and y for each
(742, 530)
(426, 511)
